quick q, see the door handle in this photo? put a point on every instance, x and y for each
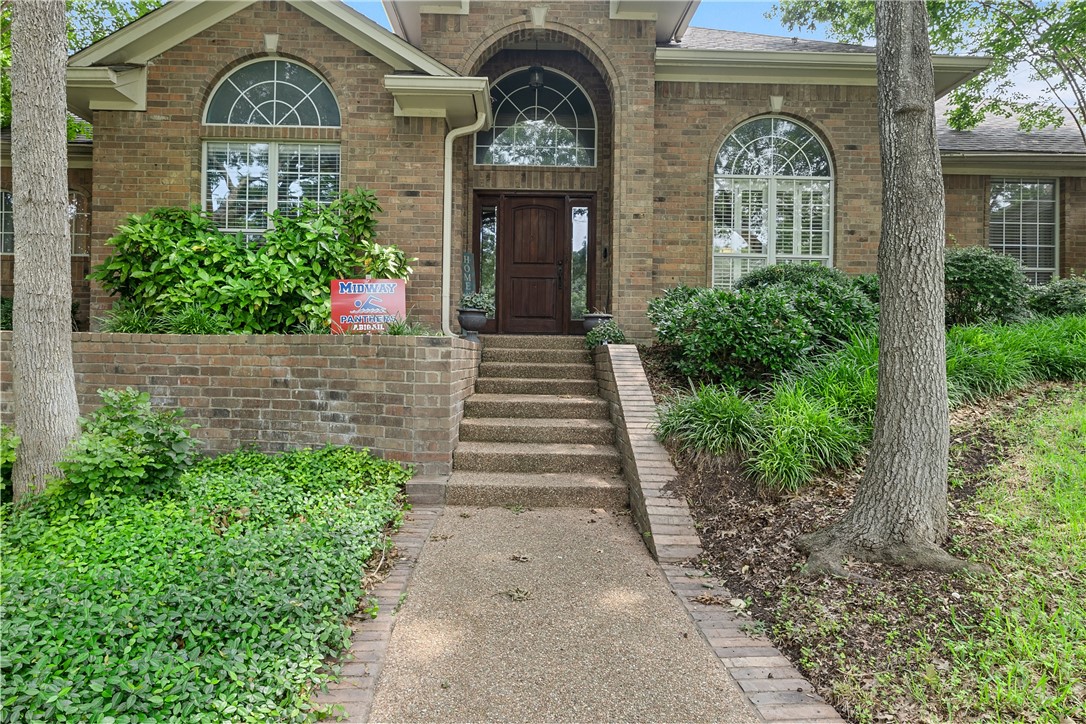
(561, 275)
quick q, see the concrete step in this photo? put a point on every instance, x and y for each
(537, 370)
(538, 490)
(554, 356)
(519, 457)
(537, 430)
(519, 341)
(522, 406)
(510, 386)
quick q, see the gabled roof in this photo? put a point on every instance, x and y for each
(112, 73)
(713, 39)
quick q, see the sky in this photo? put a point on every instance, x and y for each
(743, 16)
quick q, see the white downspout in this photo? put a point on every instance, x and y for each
(446, 222)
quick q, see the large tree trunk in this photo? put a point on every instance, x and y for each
(46, 408)
(899, 514)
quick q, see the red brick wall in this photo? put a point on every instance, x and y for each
(1072, 226)
(79, 179)
(402, 397)
(966, 210)
(622, 54)
(692, 122)
(153, 158)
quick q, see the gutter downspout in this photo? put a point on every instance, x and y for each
(446, 223)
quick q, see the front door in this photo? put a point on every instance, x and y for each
(533, 297)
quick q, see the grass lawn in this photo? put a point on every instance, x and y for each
(218, 598)
(920, 646)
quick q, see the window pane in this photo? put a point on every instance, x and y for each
(79, 216)
(1022, 224)
(552, 125)
(578, 264)
(236, 183)
(7, 226)
(488, 250)
(307, 171)
(273, 93)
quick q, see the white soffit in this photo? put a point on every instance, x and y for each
(672, 16)
(1000, 163)
(458, 100)
(798, 68)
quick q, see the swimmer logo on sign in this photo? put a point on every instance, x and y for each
(366, 306)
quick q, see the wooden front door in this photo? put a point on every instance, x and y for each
(533, 287)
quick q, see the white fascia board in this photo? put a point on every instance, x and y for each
(155, 33)
(765, 66)
(106, 89)
(371, 37)
(672, 16)
(997, 163)
(459, 100)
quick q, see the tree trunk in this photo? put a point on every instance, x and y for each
(46, 408)
(899, 514)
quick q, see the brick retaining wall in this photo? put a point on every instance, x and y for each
(402, 397)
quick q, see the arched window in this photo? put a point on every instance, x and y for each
(543, 121)
(244, 181)
(772, 199)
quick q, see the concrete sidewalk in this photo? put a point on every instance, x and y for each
(555, 614)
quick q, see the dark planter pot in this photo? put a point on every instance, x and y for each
(471, 321)
(593, 320)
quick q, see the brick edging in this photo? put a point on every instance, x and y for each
(776, 690)
(361, 665)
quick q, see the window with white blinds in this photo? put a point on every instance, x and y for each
(1023, 224)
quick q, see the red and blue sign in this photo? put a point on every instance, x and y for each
(366, 306)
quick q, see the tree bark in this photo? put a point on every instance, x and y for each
(899, 514)
(46, 407)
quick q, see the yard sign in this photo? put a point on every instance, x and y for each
(366, 306)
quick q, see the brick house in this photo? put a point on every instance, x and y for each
(566, 156)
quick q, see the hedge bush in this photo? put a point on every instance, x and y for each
(791, 274)
(982, 286)
(170, 260)
(1059, 297)
(737, 338)
(218, 601)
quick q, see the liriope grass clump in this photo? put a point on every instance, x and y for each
(820, 416)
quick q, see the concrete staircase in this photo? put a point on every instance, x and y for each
(535, 433)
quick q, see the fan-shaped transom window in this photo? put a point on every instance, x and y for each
(553, 124)
(273, 93)
(772, 199)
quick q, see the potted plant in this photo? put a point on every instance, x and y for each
(606, 333)
(473, 312)
(594, 319)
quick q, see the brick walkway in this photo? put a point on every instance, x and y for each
(362, 664)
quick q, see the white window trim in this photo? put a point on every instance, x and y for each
(1056, 225)
(770, 255)
(273, 170)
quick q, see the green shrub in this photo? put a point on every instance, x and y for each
(194, 319)
(172, 259)
(713, 420)
(6, 304)
(732, 337)
(800, 274)
(220, 601)
(605, 333)
(1059, 297)
(836, 311)
(799, 435)
(1055, 348)
(982, 286)
(408, 328)
(126, 448)
(127, 318)
(869, 285)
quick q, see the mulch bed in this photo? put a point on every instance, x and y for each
(836, 631)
